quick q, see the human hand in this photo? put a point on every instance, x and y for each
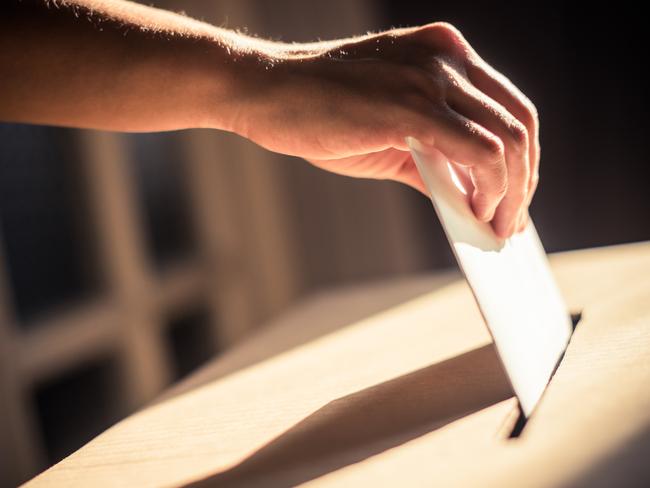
(349, 108)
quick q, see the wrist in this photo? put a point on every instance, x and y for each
(249, 79)
(224, 80)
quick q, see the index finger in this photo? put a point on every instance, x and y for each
(471, 145)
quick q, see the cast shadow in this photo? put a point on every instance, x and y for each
(624, 465)
(365, 423)
(352, 304)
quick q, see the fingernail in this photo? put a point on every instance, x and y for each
(503, 229)
(483, 212)
(486, 215)
(480, 211)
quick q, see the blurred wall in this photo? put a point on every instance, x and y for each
(129, 259)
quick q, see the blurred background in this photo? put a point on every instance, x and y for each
(126, 261)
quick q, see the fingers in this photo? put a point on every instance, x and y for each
(474, 105)
(500, 89)
(499, 94)
(471, 145)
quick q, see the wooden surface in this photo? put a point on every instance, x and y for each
(397, 383)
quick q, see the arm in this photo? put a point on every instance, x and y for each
(344, 105)
(115, 65)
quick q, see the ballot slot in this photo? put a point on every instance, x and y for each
(517, 421)
(510, 279)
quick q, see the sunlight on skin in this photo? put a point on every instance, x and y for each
(344, 105)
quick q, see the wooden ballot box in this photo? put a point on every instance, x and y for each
(397, 384)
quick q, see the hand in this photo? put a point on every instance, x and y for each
(349, 108)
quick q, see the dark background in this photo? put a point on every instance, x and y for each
(582, 65)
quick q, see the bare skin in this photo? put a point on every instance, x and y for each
(346, 106)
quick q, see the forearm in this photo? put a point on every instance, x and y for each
(345, 105)
(122, 66)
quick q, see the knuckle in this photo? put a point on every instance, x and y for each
(443, 72)
(439, 66)
(446, 36)
(447, 31)
(518, 134)
(493, 149)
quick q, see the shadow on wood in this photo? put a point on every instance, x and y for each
(627, 461)
(352, 303)
(355, 427)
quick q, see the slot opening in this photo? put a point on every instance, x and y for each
(522, 420)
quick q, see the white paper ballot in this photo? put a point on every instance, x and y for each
(511, 281)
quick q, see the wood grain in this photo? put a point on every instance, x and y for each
(403, 394)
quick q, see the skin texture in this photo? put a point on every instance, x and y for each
(346, 105)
